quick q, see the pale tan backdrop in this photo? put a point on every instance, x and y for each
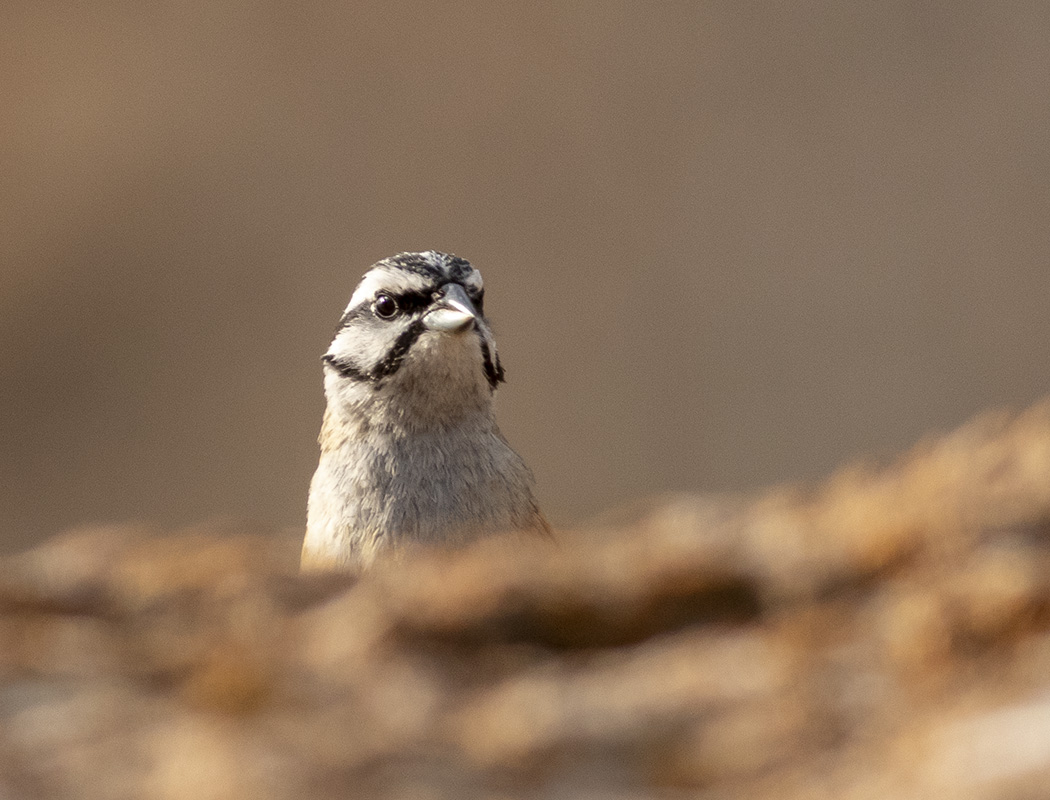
(725, 243)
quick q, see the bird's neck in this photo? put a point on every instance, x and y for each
(360, 412)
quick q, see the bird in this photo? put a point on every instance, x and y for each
(410, 450)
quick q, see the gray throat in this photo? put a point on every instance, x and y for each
(381, 484)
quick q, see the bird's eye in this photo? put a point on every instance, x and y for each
(385, 307)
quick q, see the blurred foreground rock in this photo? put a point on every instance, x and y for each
(885, 634)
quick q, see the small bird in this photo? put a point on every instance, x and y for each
(410, 450)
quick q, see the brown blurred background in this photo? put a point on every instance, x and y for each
(725, 244)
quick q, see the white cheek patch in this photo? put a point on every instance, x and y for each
(361, 348)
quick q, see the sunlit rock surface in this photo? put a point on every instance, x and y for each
(883, 634)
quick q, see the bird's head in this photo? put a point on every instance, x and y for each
(414, 341)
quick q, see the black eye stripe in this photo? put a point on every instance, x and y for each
(407, 302)
(413, 301)
(417, 300)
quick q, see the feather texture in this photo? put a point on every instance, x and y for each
(410, 449)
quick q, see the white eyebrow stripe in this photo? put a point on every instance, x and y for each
(392, 280)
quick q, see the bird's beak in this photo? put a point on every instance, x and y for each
(452, 312)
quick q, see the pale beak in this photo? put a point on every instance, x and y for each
(453, 312)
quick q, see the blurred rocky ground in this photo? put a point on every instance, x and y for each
(881, 635)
